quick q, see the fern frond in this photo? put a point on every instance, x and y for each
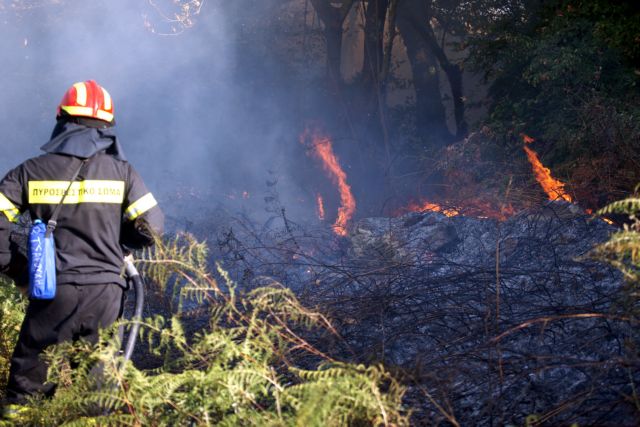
(629, 206)
(232, 372)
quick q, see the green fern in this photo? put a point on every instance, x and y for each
(629, 206)
(622, 250)
(244, 368)
(12, 309)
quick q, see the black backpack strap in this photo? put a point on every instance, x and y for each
(52, 223)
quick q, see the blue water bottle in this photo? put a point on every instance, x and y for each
(42, 262)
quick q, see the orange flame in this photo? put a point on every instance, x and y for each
(551, 186)
(472, 207)
(320, 203)
(323, 149)
(433, 207)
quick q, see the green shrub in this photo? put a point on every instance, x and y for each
(12, 308)
(249, 366)
(622, 250)
(566, 73)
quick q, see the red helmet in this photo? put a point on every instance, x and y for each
(87, 99)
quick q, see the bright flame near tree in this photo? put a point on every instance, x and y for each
(322, 149)
(550, 185)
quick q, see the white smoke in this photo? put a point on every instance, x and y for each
(185, 106)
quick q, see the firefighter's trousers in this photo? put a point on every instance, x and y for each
(76, 312)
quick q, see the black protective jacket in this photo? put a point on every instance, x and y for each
(106, 207)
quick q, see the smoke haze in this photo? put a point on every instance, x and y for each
(203, 109)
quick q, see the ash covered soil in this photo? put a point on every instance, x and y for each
(488, 322)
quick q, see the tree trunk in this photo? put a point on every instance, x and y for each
(388, 45)
(368, 96)
(333, 18)
(375, 18)
(454, 75)
(430, 113)
(333, 39)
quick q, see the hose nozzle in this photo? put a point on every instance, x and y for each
(130, 269)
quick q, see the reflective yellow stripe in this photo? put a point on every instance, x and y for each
(78, 111)
(5, 204)
(103, 115)
(140, 206)
(9, 209)
(89, 191)
(12, 214)
(87, 112)
(81, 93)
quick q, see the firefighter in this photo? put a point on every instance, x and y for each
(107, 206)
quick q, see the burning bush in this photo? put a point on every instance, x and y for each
(567, 74)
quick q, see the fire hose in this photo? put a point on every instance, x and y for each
(134, 277)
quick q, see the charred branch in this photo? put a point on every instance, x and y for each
(420, 293)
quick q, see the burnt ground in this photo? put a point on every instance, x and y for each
(487, 322)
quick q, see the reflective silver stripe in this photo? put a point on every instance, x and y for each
(9, 209)
(140, 206)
